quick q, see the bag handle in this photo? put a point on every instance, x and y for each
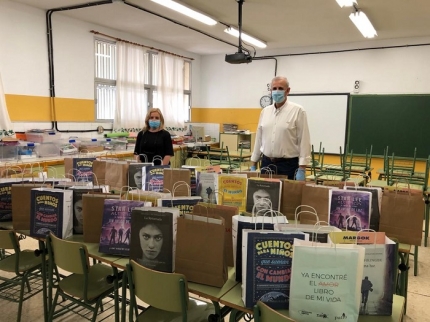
(261, 202)
(268, 170)
(178, 184)
(312, 210)
(157, 158)
(354, 217)
(216, 192)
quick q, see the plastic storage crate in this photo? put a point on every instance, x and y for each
(41, 136)
(48, 149)
(92, 145)
(8, 152)
(27, 150)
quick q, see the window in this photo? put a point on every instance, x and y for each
(105, 80)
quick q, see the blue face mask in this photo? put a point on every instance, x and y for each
(154, 124)
(278, 96)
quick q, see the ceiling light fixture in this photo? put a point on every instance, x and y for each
(187, 11)
(346, 3)
(245, 37)
(363, 24)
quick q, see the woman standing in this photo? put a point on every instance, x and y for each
(153, 140)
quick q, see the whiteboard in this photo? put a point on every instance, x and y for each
(327, 119)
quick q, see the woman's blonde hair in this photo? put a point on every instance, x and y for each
(148, 115)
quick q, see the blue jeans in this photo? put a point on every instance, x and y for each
(283, 166)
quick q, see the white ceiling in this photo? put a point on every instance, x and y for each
(280, 23)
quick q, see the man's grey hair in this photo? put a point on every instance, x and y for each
(281, 78)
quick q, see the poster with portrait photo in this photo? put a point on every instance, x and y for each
(135, 174)
(259, 189)
(153, 235)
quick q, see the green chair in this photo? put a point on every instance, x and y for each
(86, 285)
(166, 294)
(220, 156)
(263, 313)
(26, 268)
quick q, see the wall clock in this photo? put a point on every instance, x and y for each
(265, 100)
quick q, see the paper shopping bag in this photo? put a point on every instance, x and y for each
(78, 207)
(226, 212)
(79, 169)
(153, 237)
(6, 197)
(21, 204)
(377, 286)
(153, 177)
(266, 267)
(116, 174)
(200, 251)
(254, 223)
(172, 177)
(326, 282)
(292, 191)
(99, 171)
(92, 209)
(402, 216)
(318, 197)
(51, 211)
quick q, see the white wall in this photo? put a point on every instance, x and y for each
(24, 57)
(384, 71)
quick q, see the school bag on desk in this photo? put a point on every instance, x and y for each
(51, 211)
(377, 287)
(326, 282)
(257, 221)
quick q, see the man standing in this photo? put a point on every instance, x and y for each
(283, 136)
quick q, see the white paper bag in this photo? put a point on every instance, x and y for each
(326, 282)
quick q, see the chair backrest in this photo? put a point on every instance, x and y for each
(7, 238)
(67, 255)
(165, 291)
(263, 313)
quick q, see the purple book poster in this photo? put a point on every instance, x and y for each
(116, 226)
(349, 209)
(153, 177)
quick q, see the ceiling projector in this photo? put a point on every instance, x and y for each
(238, 58)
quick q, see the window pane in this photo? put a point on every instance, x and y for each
(146, 58)
(106, 101)
(187, 75)
(154, 69)
(105, 60)
(187, 103)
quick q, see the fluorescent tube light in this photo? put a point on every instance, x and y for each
(247, 38)
(346, 3)
(363, 24)
(186, 11)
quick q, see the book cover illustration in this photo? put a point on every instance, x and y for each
(83, 169)
(266, 275)
(77, 210)
(135, 174)
(116, 228)
(51, 211)
(232, 191)
(375, 208)
(184, 204)
(152, 177)
(349, 209)
(260, 190)
(153, 236)
(207, 186)
(6, 201)
(377, 285)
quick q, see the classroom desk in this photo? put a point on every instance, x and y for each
(233, 154)
(233, 299)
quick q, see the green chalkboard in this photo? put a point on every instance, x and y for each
(401, 122)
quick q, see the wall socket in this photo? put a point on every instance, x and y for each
(356, 86)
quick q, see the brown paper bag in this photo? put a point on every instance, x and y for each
(200, 252)
(116, 174)
(99, 171)
(92, 209)
(291, 197)
(172, 177)
(226, 212)
(315, 196)
(21, 204)
(402, 216)
(79, 169)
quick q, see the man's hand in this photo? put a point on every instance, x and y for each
(300, 174)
